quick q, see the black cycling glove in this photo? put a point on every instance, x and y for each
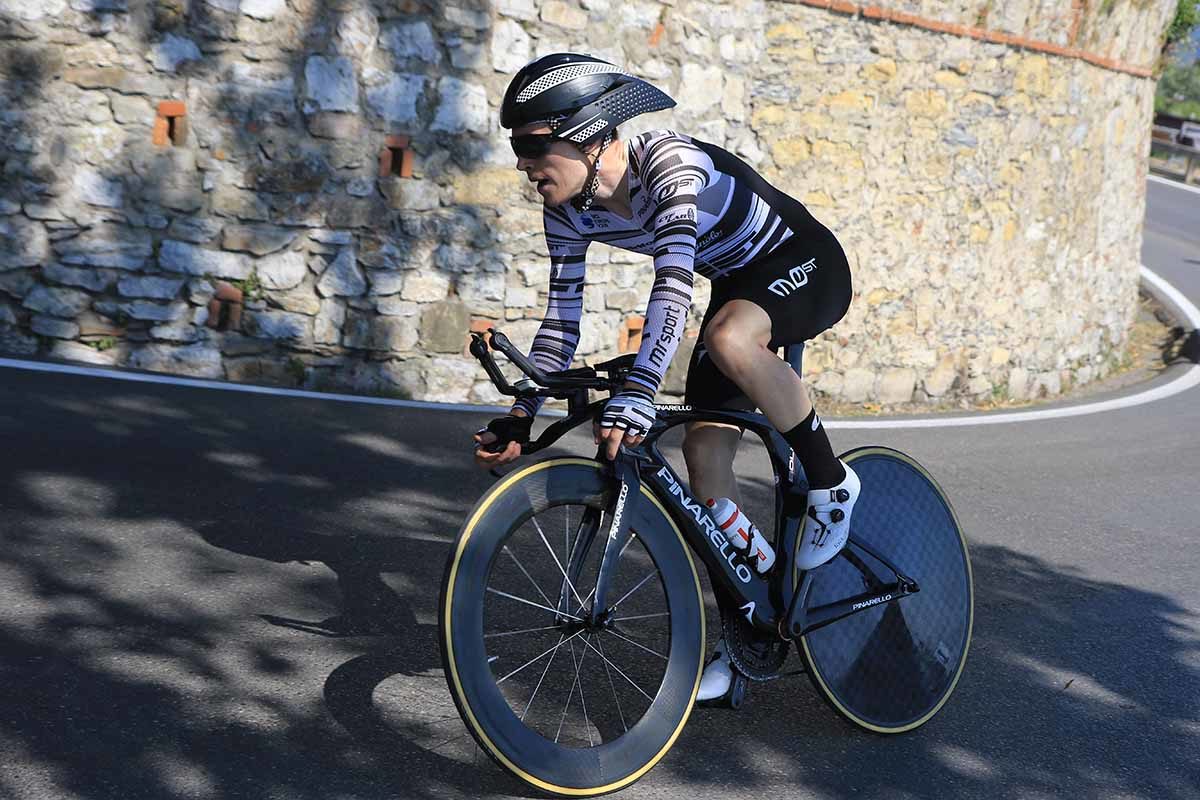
(510, 428)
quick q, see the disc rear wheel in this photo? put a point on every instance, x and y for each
(890, 668)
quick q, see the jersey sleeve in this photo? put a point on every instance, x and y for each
(555, 342)
(674, 171)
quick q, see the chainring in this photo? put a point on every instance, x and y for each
(757, 656)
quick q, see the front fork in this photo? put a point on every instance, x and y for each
(616, 536)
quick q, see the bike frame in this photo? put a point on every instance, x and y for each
(776, 604)
(773, 604)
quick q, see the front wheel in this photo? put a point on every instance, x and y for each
(569, 707)
(890, 668)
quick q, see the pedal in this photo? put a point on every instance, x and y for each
(734, 698)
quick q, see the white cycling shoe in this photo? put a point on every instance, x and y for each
(827, 523)
(718, 675)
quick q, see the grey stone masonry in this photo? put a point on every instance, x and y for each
(338, 188)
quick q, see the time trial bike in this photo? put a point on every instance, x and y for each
(571, 617)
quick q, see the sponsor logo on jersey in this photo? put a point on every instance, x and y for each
(796, 277)
(709, 238)
(675, 216)
(670, 324)
(673, 188)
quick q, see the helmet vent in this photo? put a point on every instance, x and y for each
(560, 76)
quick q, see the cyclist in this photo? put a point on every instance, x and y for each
(778, 276)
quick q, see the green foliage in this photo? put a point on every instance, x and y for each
(1187, 16)
(251, 287)
(1178, 91)
(107, 343)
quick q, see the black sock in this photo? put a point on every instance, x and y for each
(812, 447)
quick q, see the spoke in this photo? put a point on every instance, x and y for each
(571, 551)
(525, 572)
(620, 672)
(554, 555)
(612, 686)
(531, 603)
(635, 643)
(634, 589)
(539, 683)
(641, 616)
(632, 536)
(525, 630)
(571, 694)
(535, 658)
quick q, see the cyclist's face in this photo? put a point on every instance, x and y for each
(560, 173)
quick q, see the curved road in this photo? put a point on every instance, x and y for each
(206, 594)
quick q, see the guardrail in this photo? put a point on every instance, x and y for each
(1175, 161)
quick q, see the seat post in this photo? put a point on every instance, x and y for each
(793, 354)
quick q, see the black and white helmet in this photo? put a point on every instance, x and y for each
(583, 97)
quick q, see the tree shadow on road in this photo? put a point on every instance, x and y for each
(227, 595)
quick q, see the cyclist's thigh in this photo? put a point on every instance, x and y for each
(707, 386)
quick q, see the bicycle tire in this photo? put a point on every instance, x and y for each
(891, 668)
(487, 714)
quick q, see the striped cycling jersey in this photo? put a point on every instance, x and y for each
(696, 208)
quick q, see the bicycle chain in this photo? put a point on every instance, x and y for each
(755, 655)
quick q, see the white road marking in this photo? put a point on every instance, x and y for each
(1174, 184)
(1186, 380)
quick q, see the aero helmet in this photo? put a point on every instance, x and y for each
(583, 98)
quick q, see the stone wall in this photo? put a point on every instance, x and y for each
(207, 187)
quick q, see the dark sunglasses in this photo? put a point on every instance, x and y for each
(532, 145)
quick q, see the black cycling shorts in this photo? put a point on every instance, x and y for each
(804, 286)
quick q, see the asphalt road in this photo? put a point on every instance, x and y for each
(216, 595)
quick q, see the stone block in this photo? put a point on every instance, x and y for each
(327, 328)
(155, 288)
(897, 385)
(196, 360)
(331, 84)
(81, 353)
(413, 41)
(22, 243)
(858, 385)
(56, 302)
(172, 51)
(462, 107)
(257, 239)
(941, 380)
(263, 9)
(336, 125)
(397, 99)
(343, 277)
(54, 328)
(180, 332)
(450, 380)
(411, 195)
(94, 280)
(282, 270)
(191, 260)
(280, 325)
(563, 15)
(197, 230)
(511, 47)
(444, 327)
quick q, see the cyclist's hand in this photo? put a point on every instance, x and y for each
(513, 429)
(626, 420)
